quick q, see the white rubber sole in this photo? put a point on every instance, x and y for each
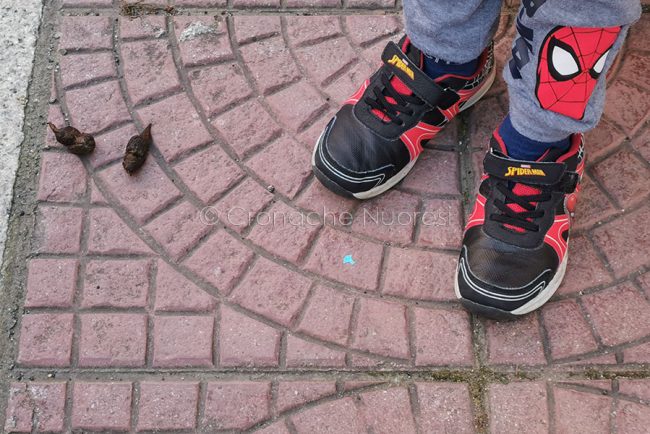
(541, 299)
(376, 191)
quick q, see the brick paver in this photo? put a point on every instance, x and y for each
(138, 309)
(518, 407)
(168, 405)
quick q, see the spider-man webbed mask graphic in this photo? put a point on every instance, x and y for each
(570, 61)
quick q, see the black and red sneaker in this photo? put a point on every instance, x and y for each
(514, 251)
(376, 137)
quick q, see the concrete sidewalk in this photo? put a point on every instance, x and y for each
(17, 44)
(146, 303)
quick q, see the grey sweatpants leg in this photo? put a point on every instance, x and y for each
(454, 30)
(459, 30)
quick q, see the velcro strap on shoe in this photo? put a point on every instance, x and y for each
(529, 172)
(422, 86)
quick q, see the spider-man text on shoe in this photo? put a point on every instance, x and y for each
(514, 251)
(570, 61)
(374, 140)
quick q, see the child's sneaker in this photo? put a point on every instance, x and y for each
(514, 251)
(376, 137)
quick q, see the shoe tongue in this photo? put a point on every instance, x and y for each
(497, 144)
(415, 56)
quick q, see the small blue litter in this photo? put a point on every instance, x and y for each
(347, 259)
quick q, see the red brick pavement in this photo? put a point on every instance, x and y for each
(145, 310)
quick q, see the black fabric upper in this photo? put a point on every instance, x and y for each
(343, 149)
(490, 265)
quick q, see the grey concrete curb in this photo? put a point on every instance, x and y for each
(17, 43)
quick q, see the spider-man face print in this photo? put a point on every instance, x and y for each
(570, 61)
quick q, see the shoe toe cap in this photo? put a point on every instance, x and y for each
(353, 158)
(499, 280)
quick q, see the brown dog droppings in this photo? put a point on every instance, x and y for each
(83, 144)
(137, 150)
(74, 140)
(65, 135)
